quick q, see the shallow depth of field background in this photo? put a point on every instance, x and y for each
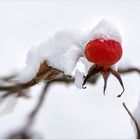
(69, 112)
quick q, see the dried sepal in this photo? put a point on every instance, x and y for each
(46, 72)
(117, 75)
(105, 77)
(105, 71)
(92, 71)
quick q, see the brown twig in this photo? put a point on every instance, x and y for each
(36, 109)
(8, 78)
(134, 120)
(128, 70)
(24, 133)
(17, 88)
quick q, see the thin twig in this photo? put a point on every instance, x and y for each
(8, 78)
(128, 70)
(36, 109)
(134, 120)
(24, 133)
(16, 88)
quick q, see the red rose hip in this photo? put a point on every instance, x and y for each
(103, 52)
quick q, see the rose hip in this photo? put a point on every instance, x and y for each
(103, 52)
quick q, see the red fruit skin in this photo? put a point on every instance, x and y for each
(103, 52)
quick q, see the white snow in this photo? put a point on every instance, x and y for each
(105, 29)
(86, 65)
(79, 77)
(62, 52)
(64, 49)
(81, 70)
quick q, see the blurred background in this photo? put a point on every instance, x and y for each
(69, 112)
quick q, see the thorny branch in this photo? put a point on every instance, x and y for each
(134, 120)
(18, 89)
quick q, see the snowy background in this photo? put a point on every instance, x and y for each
(69, 112)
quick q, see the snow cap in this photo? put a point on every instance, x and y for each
(106, 29)
(61, 51)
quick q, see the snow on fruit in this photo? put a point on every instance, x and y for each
(104, 50)
(101, 48)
